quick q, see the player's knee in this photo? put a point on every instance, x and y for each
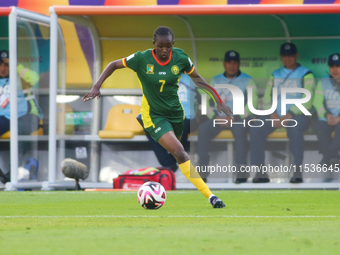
(180, 155)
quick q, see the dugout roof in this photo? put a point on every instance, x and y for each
(206, 32)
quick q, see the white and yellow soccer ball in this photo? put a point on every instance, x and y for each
(151, 195)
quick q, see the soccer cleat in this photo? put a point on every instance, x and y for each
(216, 202)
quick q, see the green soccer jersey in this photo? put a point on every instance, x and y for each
(159, 83)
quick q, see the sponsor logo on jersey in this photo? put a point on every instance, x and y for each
(175, 69)
(149, 69)
(162, 73)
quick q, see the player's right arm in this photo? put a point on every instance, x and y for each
(95, 91)
(202, 84)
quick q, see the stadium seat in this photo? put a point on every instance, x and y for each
(279, 133)
(121, 122)
(225, 134)
(62, 128)
(40, 131)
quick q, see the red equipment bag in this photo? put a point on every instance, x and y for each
(133, 179)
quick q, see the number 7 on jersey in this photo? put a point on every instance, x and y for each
(163, 82)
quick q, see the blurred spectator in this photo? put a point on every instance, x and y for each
(327, 105)
(29, 112)
(206, 132)
(292, 75)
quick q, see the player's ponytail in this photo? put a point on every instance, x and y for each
(163, 31)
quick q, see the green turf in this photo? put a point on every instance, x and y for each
(186, 224)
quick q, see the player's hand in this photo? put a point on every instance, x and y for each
(226, 109)
(92, 94)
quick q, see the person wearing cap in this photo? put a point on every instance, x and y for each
(291, 75)
(327, 105)
(29, 112)
(206, 132)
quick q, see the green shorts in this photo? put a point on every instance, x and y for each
(162, 126)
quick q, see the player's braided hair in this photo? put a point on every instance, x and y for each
(163, 31)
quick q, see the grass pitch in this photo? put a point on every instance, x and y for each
(254, 222)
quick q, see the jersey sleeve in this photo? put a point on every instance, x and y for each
(189, 66)
(132, 61)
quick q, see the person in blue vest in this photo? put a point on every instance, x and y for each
(291, 75)
(187, 94)
(206, 132)
(29, 112)
(327, 105)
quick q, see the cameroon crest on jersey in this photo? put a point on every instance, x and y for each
(149, 69)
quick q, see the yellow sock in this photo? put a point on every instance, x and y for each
(195, 178)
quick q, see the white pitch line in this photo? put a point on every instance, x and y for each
(132, 192)
(169, 216)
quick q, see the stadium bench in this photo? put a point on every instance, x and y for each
(38, 132)
(277, 136)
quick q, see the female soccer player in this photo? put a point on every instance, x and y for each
(159, 71)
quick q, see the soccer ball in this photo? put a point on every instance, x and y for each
(151, 195)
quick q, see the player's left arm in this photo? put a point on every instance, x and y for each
(308, 83)
(202, 84)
